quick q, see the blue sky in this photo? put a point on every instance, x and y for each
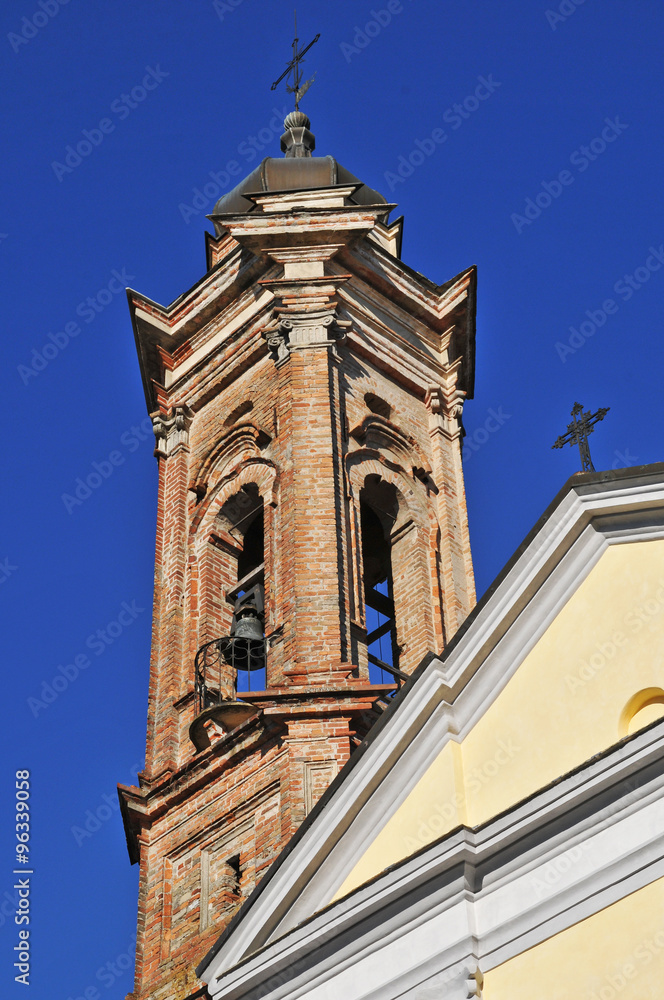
(546, 174)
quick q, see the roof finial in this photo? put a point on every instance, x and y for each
(298, 89)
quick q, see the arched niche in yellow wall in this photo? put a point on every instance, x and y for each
(644, 707)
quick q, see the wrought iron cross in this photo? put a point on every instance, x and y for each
(577, 432)
(295, 68)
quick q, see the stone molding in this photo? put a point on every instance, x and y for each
(304, 316)
(446, 403)
(244, 441)
(172, 433)
(299, 331)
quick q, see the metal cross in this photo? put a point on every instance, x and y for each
(581, 426)
(295, 68)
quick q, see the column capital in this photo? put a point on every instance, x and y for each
(305, 314)
(445, 402)
(172, 432)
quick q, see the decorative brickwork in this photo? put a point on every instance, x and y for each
(310, 372)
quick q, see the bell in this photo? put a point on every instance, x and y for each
(247, 624)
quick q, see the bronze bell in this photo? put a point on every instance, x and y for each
(247, 624)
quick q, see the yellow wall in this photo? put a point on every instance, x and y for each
(617, 952)
(572, 697)
(564, 703)
(435, 806)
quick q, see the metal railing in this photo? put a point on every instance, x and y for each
(217, 664)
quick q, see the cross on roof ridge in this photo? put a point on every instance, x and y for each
(578, 430)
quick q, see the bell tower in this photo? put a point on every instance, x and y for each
(312, 539)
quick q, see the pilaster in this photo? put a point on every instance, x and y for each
(169, 669)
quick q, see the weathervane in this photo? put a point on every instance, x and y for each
(295, 68)
(577, 432)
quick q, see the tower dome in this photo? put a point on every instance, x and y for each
(297, 170)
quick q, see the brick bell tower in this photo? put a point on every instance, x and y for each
(312, 539)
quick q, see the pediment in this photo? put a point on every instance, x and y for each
(171, 340)
(378, 433)
(493, 723)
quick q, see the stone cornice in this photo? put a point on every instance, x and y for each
(220, 312)
(141, 807)
(260, 233)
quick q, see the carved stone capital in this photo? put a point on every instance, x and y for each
(446, 403)
(297, 330)
(172, 433)
(305, 301)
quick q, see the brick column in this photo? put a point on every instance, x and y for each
(411, 585)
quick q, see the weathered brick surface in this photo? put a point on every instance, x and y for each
(359, 406)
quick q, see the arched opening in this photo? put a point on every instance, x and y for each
(378, 512)
(252, 556)
(248, 594)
